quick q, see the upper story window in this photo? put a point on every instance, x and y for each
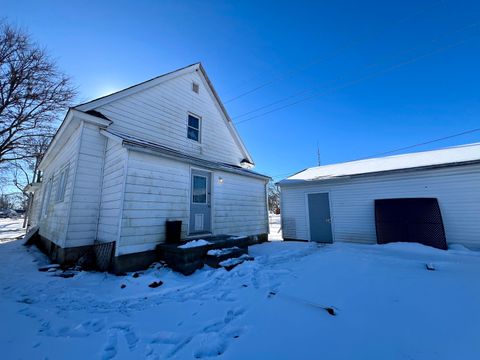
(193, 128)
(195, 87)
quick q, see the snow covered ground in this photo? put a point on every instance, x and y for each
(275, 228)
(10, 229)
(387, 304)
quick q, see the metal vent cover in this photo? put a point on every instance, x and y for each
(410, 220)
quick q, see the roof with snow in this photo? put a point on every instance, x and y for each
(451, 156)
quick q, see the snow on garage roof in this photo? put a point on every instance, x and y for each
(443, 157)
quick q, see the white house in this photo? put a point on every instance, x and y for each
(121, 165)
(336, 202)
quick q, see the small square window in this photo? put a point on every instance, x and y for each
(195, 87)
(193, 129)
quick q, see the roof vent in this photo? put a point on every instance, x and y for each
(246, 164)
(195, 87)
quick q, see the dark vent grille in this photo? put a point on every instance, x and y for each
(410, 220)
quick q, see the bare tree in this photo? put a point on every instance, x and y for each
(32, 93)
(273, 197)
(25, 171)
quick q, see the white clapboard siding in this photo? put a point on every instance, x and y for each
(239, 206)
(54, 225)
(34, 211)
(158, 189)
(352, 203)
(112, 191)
(84, 211)
(159, 114)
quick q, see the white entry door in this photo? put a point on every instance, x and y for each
(200, 203)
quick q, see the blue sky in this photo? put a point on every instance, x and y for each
(384, 75)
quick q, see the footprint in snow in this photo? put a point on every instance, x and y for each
(211, 344)
(166, 337)
(130, 336)
(110, 349)
(214, 339)
(150, 353)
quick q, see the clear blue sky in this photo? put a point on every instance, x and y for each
(412, 98)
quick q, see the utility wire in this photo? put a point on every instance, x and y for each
(359, 80)
(420, 144)
(471, 131)
(344, 75)
(336, 51)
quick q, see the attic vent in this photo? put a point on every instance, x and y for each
(195, 87)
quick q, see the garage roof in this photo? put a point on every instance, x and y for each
(425, 159)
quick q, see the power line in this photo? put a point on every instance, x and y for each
(344, 75)
(398, 149)
(336, 51)
(420, 144)
(359, 80)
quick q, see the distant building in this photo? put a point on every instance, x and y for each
(337, 202)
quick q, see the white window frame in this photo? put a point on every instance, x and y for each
(196, 87)
(61, 185)
(46, 197)
(206, 189)
(199, 141)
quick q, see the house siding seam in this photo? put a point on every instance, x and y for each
(102, 181)
(352, 203)
(84, 213)
(112, 189)
(74, 177)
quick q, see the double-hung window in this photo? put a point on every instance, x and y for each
(193, 128)
(61, 185)
(46, 198)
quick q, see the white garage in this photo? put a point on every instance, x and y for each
(337, 202)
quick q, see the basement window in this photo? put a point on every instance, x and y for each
(193, 128)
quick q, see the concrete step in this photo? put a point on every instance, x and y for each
(231, 263)
(216, 256)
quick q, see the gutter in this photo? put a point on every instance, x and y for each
(156, 149)
(171, 154)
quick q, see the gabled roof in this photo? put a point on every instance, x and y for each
(70, 123)
(451, 156)
(93, 104)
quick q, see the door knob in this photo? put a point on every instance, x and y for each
(328, 221)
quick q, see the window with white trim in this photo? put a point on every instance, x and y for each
(199, 192)
(46, 197)
(61, 185)
(195, 87)
(193, 128)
